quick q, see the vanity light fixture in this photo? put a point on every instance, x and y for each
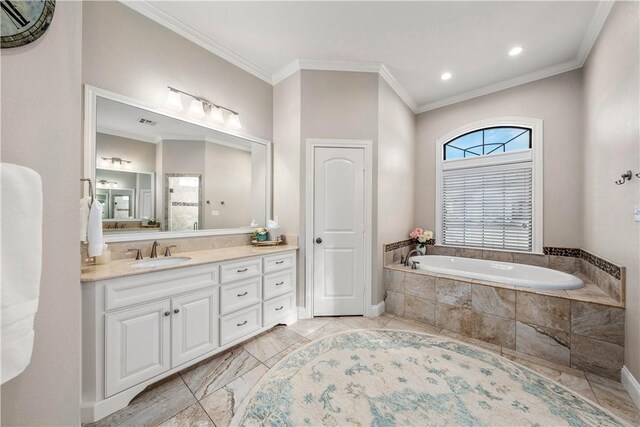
(200, 107)
(216, 115)
(517, 50)
(445, 76)
(234, 121)
(173, 100)
(107, 184)
(196, 109)
(115, 163)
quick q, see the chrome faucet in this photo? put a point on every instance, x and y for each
(405, 261)
(154, 250)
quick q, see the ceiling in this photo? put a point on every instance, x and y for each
(411, 44)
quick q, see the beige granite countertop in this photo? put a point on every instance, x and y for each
(589, 293)
(122, 268)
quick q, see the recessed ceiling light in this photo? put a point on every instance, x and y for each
(515, 51)
(445, 76)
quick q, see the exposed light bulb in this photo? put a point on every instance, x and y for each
(234, 121)
(216, 115)
(196, 108)
(445, 76)
(515, 51)
(173, 101)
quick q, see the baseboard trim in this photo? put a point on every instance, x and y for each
(376, 309)
(302, 313)
(631, 385)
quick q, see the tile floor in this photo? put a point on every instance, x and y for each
(209, 393)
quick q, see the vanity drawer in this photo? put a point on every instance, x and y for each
(276, 284)
(240, 270)
(277, 308)
(279, 262)
(143, 288)
(239, 295)
(241, 323)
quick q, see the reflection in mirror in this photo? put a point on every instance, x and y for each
(158, 173)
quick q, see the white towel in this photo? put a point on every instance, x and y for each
(85, 207)
(94, 229)
(21, 258)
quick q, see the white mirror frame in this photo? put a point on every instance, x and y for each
(91, 94)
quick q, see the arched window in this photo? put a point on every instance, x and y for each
(489, 186)
(488, 141)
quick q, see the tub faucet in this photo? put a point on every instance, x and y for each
(154, 250)
(406, 260)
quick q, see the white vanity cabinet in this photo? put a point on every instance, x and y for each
(138, 329)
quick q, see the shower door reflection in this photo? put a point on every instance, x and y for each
(183, 205)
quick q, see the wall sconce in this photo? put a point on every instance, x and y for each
(115, 163)
(201, 107)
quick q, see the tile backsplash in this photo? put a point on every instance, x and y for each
(119, 250)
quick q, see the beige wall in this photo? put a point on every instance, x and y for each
(142, 154)
(396, 174)
(611, 146)
(287, 203)
(41, 100)
(558, 101)
(127, 53)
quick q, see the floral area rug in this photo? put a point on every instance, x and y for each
(388, 378)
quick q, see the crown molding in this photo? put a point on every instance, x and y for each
(598, 19)
(527, 78)
(150, 11)
(593, 31)
(349, 66)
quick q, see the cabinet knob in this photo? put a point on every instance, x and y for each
(176, 311)
(167, 313)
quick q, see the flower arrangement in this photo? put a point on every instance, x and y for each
(260, 234)
(421, 236)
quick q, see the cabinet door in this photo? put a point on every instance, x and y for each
(137, 345)
(194, 319)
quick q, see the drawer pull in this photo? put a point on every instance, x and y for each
(280, 308)
(280, 262)
(242, 270)
(243, 294)
(241, 324)
(280, 283)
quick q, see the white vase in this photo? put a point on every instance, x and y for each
(422, 249)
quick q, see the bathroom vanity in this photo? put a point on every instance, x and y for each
(140, 325)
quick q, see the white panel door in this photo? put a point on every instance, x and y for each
(338, 231)
(137, 345)
(194, 323)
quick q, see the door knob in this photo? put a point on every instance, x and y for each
(319, 240)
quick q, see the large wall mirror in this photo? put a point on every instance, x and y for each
(159, 175)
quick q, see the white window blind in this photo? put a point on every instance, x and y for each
(488, 207)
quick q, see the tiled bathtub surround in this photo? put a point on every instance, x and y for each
(189, 244)
(606, 275)
(577, 333)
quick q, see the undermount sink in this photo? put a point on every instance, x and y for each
(160, 262)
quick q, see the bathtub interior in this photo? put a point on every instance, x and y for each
(519, 275)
